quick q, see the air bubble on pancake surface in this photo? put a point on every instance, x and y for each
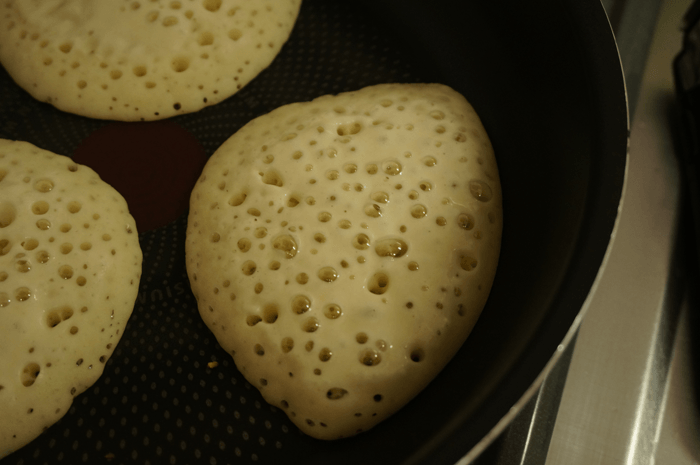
(237, 199)
(30, 244)
(286, 244)
(273, 178)
(391, 247)
(270, 313)
(29, 374)
(212, 5)
(465, 221)
(373, 210)
(467, 262)
(44, 185)
(170, 21)
(378, 283)
(22, 266)
(22, 294)
(349, 128)
(419, 211)
(417, 354)
(65, 271)
(8, 213)
(380, 197)
(392, 168)
(429, 161)
(248, 267)
(58, 315)
(5, 246)
(42, 256)
(139, 71)
(332, 311)
(480, 191)
(74, 207)
(370, 357)
(40, 207)
(325, 354)
(310, 325)
(301, 304)
(328, 274)
(361, 241)
(336, 393)
(287, 344)
(252, 320)
(180, 64)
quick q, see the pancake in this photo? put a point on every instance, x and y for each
(70, 265)
(140, 59)
(341, 250)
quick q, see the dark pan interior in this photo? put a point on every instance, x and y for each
(545, 78)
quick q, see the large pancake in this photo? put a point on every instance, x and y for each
(342, 249)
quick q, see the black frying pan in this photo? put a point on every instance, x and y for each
(546, 80)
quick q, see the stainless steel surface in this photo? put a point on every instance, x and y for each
(627, 394)
(678, 433)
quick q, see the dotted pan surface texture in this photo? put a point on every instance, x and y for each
(170, 394)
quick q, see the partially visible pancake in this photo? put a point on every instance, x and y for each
(142, 60)
(70, 265)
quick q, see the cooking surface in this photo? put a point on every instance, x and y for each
(165, 405)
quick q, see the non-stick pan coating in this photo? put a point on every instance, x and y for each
(545, 78)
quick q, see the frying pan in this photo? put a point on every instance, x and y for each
(544, 76)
